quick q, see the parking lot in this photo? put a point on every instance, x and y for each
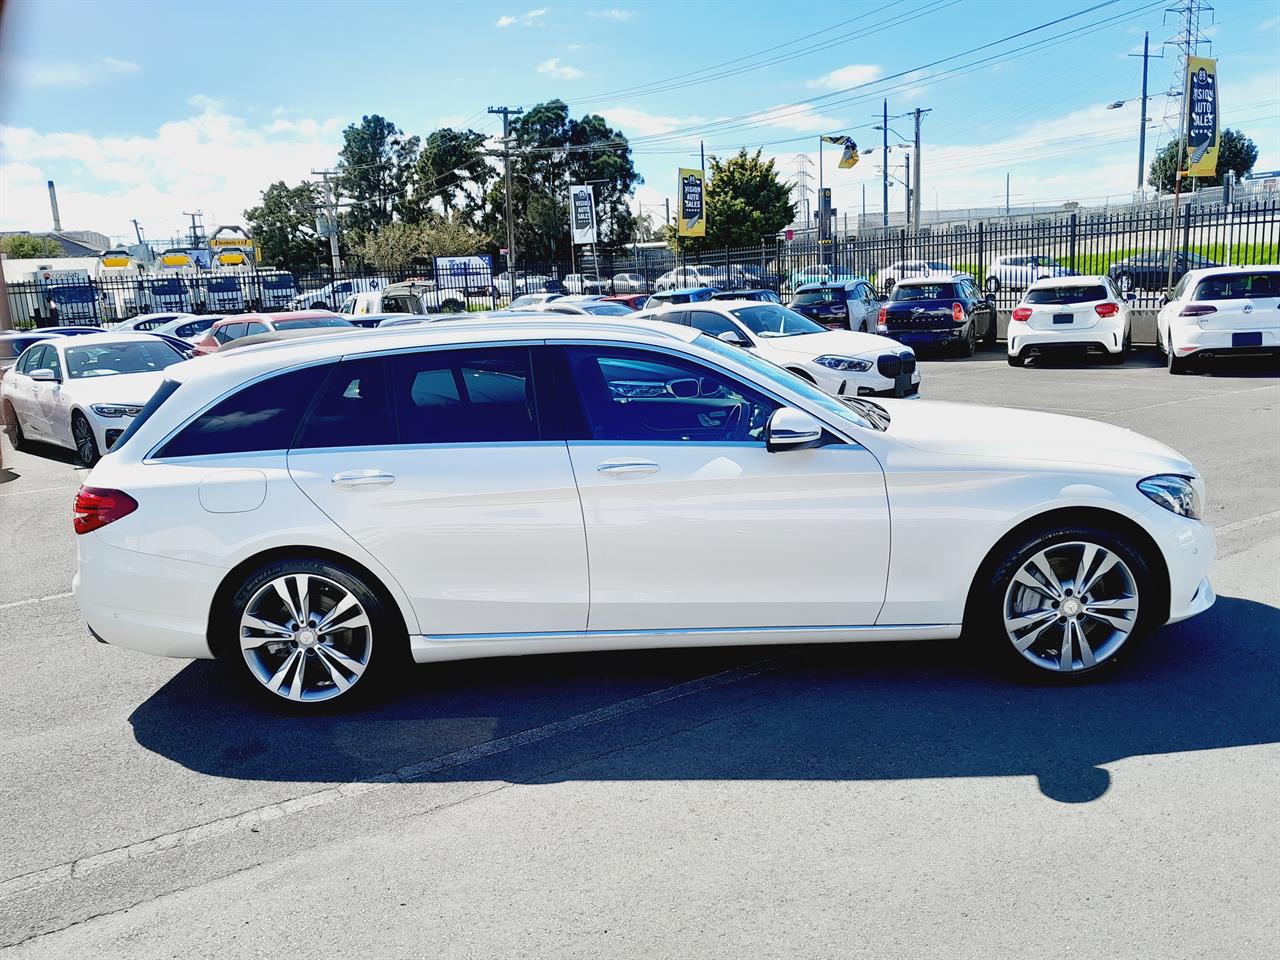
(861, 800)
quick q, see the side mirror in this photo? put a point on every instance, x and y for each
(991, 299)
(1131, 296)
(44, 374)
(791, 429)
(729, 336)
(1164, 299)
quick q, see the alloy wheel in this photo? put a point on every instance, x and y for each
(305, 637)
(86, 445)
(1071, 606)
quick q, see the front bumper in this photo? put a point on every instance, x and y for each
(156, 605)
(1189, 549)
(847, 383)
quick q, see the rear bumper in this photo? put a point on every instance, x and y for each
(1040, 341)
(1194, 340)
(926, 338)
(152, 604)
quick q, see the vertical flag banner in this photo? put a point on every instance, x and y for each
(582, 213)
(1202, 117)
(850, 155)
(692, 189)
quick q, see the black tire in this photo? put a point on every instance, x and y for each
(989, 338)
(1118, 359)
(1178, 366)
(986, 614)
(86, 443)
(992, 284)
(320, 305)
(388, 644)
(1017, 360)
(453, 306)
(17, 439)
(969, 345)
(1124, 281)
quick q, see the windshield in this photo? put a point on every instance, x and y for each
(775, 320)
(608, 309)
(110, 359)
(937, 265)
(171, 286)
(71, 294)
(302, 322)
(223, 285)
(776, 374)
(924, 291)
(277, 281)
(1240, 286)
(828, 295)
(1084, 293)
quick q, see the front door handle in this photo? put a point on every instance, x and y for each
(350, 479)
(625, 466)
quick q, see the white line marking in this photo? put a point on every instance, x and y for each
(27, 493)
(1251, 522)
(85, 866)
(23, 603)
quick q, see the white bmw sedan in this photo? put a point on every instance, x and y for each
(82, 392)
(843, 363)
(322, 511)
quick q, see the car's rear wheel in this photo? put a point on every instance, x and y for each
(16, 437)
(1067, 602)
(993, 284)
(1017, 360)
(1177, 365)
(1125, 282)
(86, 442)
(453, 306)
(310, 632)
(969, 345)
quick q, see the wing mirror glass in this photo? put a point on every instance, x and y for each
(1131, 296)
(730, 336)
(791, 429)
(44, 374)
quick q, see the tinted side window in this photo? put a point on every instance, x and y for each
(251, 328)
(464, 396)
(51, 360)
(711, 323)
(353, 409)
(261, 416)
(27, 362)
(638, 395)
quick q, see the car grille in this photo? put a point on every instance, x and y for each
(895, 364)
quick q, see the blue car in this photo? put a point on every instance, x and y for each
(940, 312)
(683, 295)
(839, 304)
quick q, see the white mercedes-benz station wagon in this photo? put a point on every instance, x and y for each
(320, 511)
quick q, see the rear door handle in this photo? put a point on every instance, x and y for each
(624, 467)
(349, 479)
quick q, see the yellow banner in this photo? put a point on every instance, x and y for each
(1201, 92)
(691, 196)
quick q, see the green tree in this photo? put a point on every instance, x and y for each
(283, 226)
(453, 172)
(399, 246)
(1236, 153)
(22, 246)
(745, 203)
(374, 169)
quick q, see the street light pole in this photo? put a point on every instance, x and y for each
(884, 169)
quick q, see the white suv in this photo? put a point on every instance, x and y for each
(322, 512)
(1218, 312)
(1075, 313)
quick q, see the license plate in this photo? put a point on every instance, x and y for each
(1064, 318)
(1247, 339)
(902, 385)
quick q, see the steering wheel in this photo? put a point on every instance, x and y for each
(734, 423)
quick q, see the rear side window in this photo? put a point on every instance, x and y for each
(228, 332)
(1085, 293)
(262, 416)
(464, 396)
(1239, 286)
(353, 409)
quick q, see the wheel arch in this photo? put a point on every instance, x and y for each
(219, 606)
(803, 374)
(1108, 520)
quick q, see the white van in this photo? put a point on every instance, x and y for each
(408, 296)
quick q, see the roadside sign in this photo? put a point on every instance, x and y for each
(692, 220)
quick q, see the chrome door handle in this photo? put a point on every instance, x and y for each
(627, 467)
(362, 478)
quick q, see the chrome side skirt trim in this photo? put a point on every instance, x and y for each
(464, 646)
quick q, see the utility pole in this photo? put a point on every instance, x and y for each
(195, 232)
(1006, 194)
(906, 182)
(918, 113)
(137, 231)
(884, 169)
(507, 113)
(331, 215)
(1142, 115)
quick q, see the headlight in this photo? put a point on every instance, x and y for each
(111, 410)
(844, 363)
(1173, 493)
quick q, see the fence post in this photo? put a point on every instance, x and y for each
(982, 259)
(1071, 242)
(1186, 229)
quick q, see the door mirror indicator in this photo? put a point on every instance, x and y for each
(791, 429)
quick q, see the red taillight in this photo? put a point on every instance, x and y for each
(884, 317)
(1106, 309)
(1022, 314)
(1197, 310)
(96, 507)
(957, 313)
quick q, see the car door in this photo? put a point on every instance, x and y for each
(53, 399)
(692, 524)
(20, 390)
(434, 461)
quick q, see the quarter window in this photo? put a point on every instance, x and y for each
(353, 408)
(712, 323)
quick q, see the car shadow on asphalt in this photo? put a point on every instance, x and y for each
(843, 712)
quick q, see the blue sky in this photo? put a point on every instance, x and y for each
(149, 109)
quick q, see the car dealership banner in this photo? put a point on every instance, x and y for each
(692, 192)
(1202, 117)
(582, 213)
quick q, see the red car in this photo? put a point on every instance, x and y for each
(635, 301)
(248, 324)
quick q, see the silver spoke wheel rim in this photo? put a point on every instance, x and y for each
(1071, 606)
(305, 637)
(84, 439)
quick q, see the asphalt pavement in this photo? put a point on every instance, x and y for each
(873, 800)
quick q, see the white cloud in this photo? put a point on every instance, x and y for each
(68, 75)
(638, 123)
(553, 68)
(525, 19)
(211, 161)
(851, 76)
(803, 119)
(611, 14)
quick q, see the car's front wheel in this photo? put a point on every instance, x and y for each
(86, 442)
(1067, 602)
(308, 632)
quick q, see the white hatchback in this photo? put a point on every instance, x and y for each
(1220, 312)
(843, 363)
(1071, 313)
(320, 512)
